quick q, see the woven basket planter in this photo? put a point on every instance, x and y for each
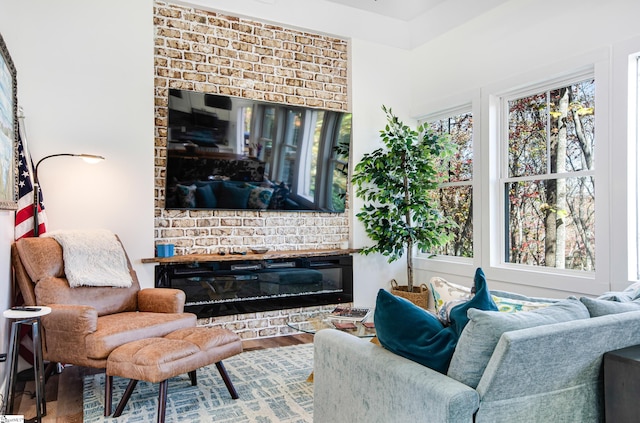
(419, 296)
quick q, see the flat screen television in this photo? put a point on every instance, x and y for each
(241, 154)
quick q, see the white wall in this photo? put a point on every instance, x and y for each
(379, 76)
(85, 81)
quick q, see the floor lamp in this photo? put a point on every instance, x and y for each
(89, 158)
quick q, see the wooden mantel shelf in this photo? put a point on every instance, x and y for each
(203, 258)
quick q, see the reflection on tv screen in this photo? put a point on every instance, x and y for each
(233, 153)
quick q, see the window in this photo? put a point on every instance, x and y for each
(455, 194)
(548, 177)
(288, 146)
(339, 162)
(325, 168)
(307, 150)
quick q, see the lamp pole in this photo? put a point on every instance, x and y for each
(90, 158)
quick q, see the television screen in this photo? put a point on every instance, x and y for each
(241, 154)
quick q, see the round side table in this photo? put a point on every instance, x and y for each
(32, 318)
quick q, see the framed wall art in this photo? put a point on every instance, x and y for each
(8, 130)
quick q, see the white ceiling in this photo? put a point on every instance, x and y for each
(404, 10)
(399, 23)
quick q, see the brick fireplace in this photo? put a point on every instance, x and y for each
(211, 52)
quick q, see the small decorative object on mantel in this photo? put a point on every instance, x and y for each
(419, 296)
(399, 185)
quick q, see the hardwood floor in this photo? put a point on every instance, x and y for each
(64, 390)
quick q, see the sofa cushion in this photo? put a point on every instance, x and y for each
(481, 335)
(598, 307)
(630, 293)
(414, 333)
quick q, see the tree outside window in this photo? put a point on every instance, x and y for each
(549, 178)
(455, 194)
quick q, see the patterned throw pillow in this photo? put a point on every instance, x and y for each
(511, 305)
(280, 195)
(444, 292)
(259, 197)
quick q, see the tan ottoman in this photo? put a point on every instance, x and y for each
(159, 359)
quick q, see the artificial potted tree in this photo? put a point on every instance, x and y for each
(398, 184)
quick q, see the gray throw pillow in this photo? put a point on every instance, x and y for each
(480, 337)
(603, 307)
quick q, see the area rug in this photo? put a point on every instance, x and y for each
(272, 385)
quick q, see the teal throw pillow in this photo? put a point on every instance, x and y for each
(233, 196)
(416, 334)
(412, 332)
(205, 198)
(484, 329)
(481, 300)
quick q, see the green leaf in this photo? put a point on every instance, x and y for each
(398, 181)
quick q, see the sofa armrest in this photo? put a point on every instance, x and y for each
(357, 380)
(161, 300)
(65, 330)
(71, 318)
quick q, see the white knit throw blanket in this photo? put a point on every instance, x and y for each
(93, 258)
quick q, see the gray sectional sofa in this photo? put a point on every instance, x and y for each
(547, 373)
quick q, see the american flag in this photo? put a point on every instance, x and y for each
(24, 214)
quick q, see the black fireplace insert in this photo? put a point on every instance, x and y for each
(248, 286)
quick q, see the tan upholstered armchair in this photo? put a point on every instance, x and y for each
(87, 323)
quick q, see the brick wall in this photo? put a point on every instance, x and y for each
(215, 53)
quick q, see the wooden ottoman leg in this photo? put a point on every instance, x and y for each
(125, 398)
(227, 380)
(193, 377)
(108, 390)
(162, 400)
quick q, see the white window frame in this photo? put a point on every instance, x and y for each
(493, 224)
(488, 196)
(446, 114)
(625, 124)
(463, 266)
(504, 178)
